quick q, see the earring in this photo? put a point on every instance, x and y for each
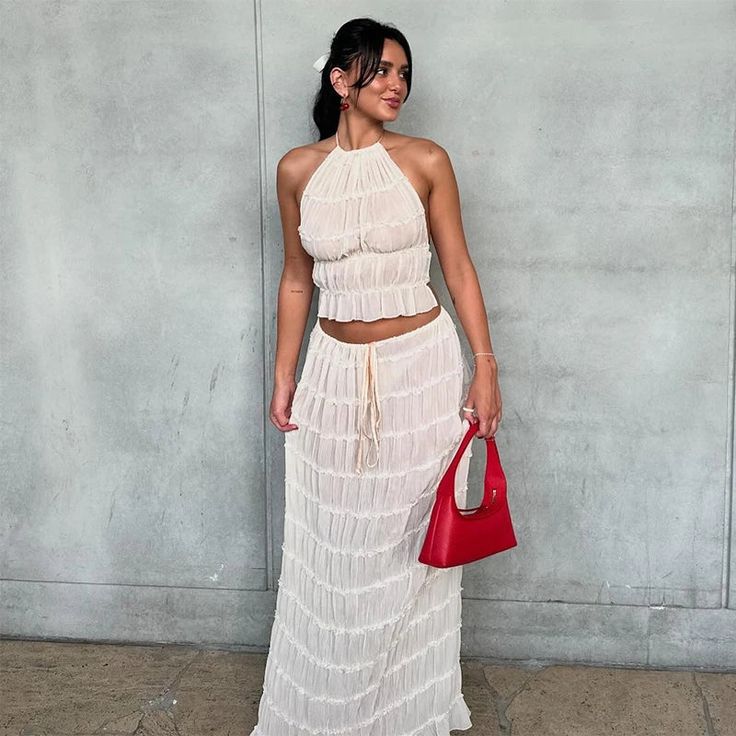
(344, 104)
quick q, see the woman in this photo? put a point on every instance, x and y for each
(366, 639)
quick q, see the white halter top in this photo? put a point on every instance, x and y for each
(365, 226)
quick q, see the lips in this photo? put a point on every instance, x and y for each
(393, 101)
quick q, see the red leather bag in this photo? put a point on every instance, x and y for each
(454, 536)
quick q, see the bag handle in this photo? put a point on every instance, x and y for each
(494, 481)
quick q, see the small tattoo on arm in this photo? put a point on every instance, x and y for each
(297, 291)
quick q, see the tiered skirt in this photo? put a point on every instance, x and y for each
(366, 639)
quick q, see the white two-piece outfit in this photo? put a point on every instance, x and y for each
(366, 639)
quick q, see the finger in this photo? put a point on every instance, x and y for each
(469, 412)
(281, 422)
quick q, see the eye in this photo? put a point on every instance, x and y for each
(404, 74)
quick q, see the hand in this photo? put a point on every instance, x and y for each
(280, 411)
(484, 401)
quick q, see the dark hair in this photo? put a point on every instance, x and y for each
(360, 39)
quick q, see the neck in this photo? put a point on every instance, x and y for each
(362, 139)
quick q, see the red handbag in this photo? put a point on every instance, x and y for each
(454, 536)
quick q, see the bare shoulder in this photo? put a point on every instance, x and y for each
(297, 164)
(424, 155)
(422, 148)
(295, 160)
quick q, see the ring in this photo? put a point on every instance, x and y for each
(469, 408)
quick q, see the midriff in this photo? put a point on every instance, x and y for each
(357, 331)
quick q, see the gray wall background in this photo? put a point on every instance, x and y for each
(593, 141)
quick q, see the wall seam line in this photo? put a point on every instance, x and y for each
(731, 400)
(265, 336)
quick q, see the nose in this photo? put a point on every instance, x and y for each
(395, 82)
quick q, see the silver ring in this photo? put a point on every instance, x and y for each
(468, 408)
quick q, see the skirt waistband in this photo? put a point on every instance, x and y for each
(388, 345)
(369, 354)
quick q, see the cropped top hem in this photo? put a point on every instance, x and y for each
(384, 302)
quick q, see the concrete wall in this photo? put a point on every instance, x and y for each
(142, 485)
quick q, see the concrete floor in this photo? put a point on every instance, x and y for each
(55, 689)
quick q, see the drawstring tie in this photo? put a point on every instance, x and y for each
(369, 408)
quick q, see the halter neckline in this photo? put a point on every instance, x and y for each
(356, 150)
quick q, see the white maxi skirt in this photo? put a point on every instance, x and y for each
(366, 639)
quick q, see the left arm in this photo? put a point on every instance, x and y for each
(446, 226)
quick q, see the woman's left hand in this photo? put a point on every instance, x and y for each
(484, 396)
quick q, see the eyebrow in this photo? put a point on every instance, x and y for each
(390, 63)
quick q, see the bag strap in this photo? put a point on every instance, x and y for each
(494, 475)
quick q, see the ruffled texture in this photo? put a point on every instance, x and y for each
(365, 226)
(366, 639)
(375, 286)
(370, 305)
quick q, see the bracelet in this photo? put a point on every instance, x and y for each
(475, 354)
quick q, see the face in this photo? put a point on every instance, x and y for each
(383, 96)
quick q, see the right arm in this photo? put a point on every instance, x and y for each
(294, 295)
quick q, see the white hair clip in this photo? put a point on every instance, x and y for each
(319, 65)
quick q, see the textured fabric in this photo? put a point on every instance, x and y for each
(365, 226)
(366, 639)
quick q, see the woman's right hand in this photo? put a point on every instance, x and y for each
(280, 410)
